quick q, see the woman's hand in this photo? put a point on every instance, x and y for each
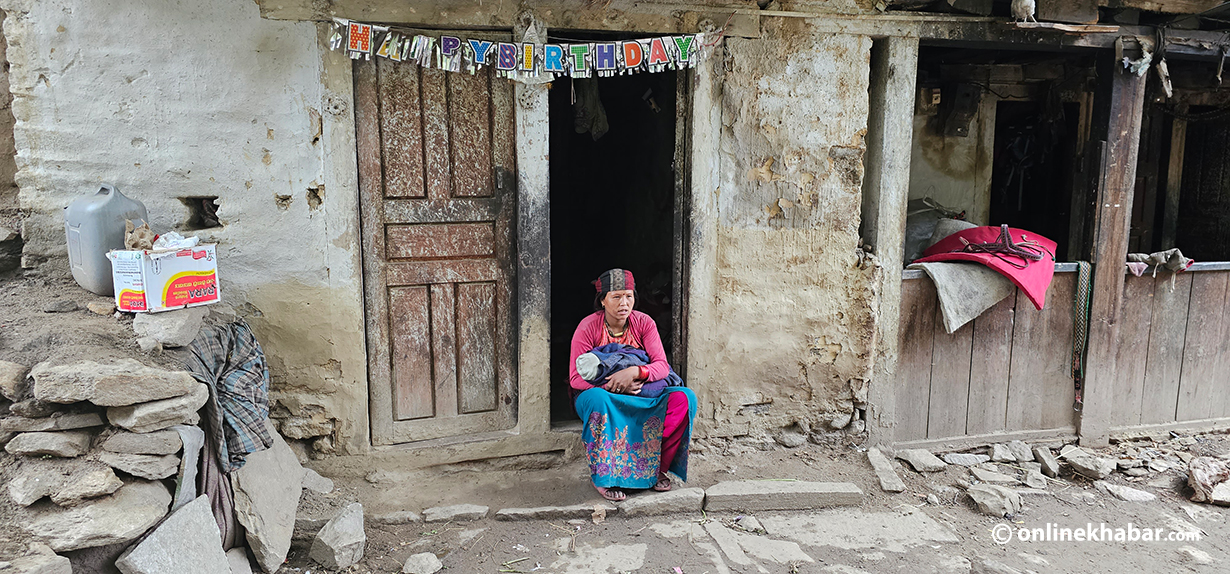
(624, 382)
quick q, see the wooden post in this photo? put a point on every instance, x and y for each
(1174, 180)
(1121, 94)
(886, 187)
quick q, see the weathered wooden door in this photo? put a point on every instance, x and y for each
(438, 196)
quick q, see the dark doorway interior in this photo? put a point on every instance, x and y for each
(1032, 178)
(612, 205)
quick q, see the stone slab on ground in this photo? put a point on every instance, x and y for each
(1000, 453)
(267, 490)
(171, 328)
(680, 501)
(582, 511)
(753, 495)
(157, 442)
(456, 512)
(985, 475)
(90, 482)
(55, 422)
(39, 564)
(101, 307)
(995, 500)
(965, 459)
(160, 414)
(1221, 494)
(396, 518)
(1034, 479)
(64, 444)
(119, 383)
(340, 542)
(13, 383)
(316, 483)
(889, 481)
(423, 563)
(1021, 451)
(1050, 466)
(149, 466)
(1126, 493)
(187, 541)
(1088, 464)
(921, 459)
(120, 517)
(239, 561)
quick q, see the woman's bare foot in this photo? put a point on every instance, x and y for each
(612, 494)
(664, 483)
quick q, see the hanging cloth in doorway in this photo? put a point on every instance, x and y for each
(590, 115)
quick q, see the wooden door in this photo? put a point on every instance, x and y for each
(437, 186)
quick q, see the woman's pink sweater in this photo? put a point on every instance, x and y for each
(592, 333)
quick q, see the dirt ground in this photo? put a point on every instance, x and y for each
(900, 532)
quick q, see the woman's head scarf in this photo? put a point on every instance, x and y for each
(614, 280)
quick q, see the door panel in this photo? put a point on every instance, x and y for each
(437, 192)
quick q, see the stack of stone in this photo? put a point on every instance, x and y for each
(96, 455)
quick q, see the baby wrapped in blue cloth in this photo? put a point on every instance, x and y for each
(602, 362)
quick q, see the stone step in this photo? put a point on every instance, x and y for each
(583, 511)
(753, 495)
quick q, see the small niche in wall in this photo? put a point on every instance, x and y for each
(202, 212)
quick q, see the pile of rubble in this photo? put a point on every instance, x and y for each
(999, 474)
(104, 465)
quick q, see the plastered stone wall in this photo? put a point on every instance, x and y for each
(786, 334)
(201, 99)
(8, 161)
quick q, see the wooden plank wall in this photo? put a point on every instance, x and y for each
(1174, 349)
(1008, 370)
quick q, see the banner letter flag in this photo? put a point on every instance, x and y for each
(449, 45)
(633, 55)
(684, 43)
(360, 37)
(657, 52)
(386, 45)
(507, 57)
(553, 58)
(481, 47)
(604, 56)
(527, 58)
(579, 51)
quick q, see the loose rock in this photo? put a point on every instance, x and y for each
(995, 500)
(1126, 493)
(456, 512)
(35, 481)
(116, 384)
(964, 459)
(889, 481)
(790, 439)
(13, 380)
(91, 482)
(34, 408)
(921, 459)
(1204, 473)
(120, 517)
(991, 476)
(1089, 464)
(1020, 451)
(101, 307)
(316, 483)
(397, 518)
(425, 563)
(340, 543)
(65, 444)
(149, 466)
(40, 564)
(267, 490)
(157, 415)
(157, 442)
(1195, 555)
(171, 328)
(239, 561)
(1001, 453)
(1035, 479)
(1050, 466)
(60, 306)
(188, 541)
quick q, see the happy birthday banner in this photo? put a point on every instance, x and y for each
(511, 59)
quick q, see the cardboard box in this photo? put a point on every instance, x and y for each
(156, 281)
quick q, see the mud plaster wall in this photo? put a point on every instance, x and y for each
(956, 171)
(787, 332)
(181, 99)
(8, 163)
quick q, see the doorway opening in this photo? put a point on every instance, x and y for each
(613, 204)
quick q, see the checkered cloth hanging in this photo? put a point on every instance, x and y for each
(229, 360)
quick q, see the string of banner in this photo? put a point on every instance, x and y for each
(577, 60)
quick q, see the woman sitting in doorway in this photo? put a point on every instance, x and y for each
(631, 440)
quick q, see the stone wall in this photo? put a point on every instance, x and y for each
(8, 162)
(191, 100)
(781, 326)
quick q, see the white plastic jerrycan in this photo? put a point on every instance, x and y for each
(95, 225)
